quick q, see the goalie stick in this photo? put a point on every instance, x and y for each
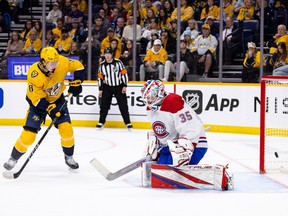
(112, 176)
(11, 175)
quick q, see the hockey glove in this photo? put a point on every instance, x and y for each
(152, 145)
(75, 87)
(180, 155)
(53, 111)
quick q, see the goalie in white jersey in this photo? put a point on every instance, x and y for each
(178, 136)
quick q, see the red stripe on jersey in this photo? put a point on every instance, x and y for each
(172, 103)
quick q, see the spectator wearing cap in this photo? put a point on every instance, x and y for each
(192, 28)
(53, 16)
(32, 45)
(187, 13)
(251, 64)
(169, 43)
(210, 9)
(154, 61)
(185, 63)
(128, 30)
(112, 81)
(187, 38)
(214, 30)
(63, 45)
(204, 51)
(106, 42)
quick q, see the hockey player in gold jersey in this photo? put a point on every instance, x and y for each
(44, 95)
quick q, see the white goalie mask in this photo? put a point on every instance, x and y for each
(153, 93)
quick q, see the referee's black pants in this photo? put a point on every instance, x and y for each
(108, 92)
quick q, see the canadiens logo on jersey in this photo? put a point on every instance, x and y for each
(54, 90)
(160, 129)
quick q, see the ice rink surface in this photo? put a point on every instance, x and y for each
(47, 188)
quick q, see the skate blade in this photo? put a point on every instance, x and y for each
(72, 171)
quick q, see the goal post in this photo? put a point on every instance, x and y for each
(274, 124)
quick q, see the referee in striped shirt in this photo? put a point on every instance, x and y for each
(112, 81)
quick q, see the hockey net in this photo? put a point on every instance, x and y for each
(274, 124)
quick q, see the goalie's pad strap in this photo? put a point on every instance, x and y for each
(188, 177)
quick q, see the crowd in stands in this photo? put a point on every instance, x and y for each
(156, 35)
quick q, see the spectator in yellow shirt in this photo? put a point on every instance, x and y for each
(187, 13)
(251, 64)
(154, 61)
(106, 42)
(32, 45)
(63, 45)
(210, 9)
(246, 12)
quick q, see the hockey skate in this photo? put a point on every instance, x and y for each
(99, 126)
(10, 164)
(69, 160)
(129, 127)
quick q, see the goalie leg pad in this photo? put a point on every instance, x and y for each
(66, 134)
(190, 177)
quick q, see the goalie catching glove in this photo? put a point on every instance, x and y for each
(152, 145)
(75, 87)
(53, 111)
(181, 151)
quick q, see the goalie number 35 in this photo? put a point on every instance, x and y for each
(186, 116)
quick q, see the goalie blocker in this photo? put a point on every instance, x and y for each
(186, 177)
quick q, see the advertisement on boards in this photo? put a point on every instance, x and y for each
(18, 66)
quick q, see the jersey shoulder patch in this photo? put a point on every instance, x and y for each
(34, 74)
(172, 103)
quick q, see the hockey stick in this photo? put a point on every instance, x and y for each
(112, 176)
(11, 175)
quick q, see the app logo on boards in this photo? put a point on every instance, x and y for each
(194, 98)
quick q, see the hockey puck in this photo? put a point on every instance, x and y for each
(276, 154)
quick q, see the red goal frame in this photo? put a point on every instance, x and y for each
(262, 118)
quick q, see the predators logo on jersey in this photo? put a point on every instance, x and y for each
(54, 90)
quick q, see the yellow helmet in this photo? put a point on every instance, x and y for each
(49, 54)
